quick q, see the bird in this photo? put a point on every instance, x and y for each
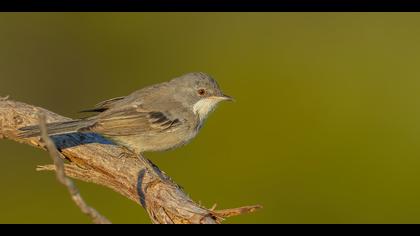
(159, 117)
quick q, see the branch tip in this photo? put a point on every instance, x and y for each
(237, 211)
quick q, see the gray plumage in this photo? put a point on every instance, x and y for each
(155, 118)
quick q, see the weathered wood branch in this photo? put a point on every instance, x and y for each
(94, 159)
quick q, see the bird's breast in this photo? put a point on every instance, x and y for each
(161, 141)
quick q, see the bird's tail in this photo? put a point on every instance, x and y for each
(54, 128)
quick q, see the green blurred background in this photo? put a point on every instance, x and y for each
(325, 128)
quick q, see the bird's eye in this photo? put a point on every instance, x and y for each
(201, 92)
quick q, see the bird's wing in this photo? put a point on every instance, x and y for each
(131, 121)
(104, 105)
(134, 96)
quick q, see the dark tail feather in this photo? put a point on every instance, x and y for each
(53, 128)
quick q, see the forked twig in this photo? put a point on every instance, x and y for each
(63, 179)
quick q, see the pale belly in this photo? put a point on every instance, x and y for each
(158, 142)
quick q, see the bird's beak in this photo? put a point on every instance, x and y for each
(225, 97)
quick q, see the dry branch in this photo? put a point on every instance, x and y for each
(94, 159)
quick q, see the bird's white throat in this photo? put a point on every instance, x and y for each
(205, 106)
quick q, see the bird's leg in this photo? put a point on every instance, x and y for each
(123, 156)
(127, 153)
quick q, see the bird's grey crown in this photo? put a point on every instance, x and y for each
(197, 80)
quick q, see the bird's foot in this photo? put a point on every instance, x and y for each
(124, 155)
(149, 166)
(127, 153)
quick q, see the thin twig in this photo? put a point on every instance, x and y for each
(236, 211)
(62, 178)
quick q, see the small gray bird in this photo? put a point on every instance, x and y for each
(156, 118)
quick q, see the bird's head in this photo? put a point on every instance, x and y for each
(200, 92)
